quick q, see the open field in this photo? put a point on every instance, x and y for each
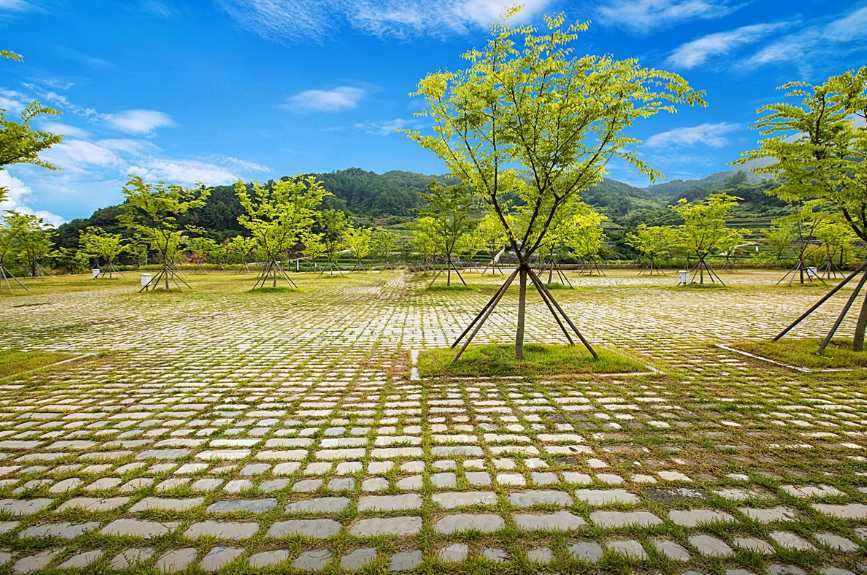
(224, 429)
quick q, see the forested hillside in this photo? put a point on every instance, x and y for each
(391, 198)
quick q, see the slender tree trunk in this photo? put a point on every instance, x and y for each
(522, 305)
(860, 327)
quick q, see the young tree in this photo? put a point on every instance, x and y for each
(836, 240)
(383, 244)
(31, 240)
(652, 243)
(493, 237)
(279, 216)
(586, 236)
(357, 241)
(203, 250)
(424, 240)
(705, 230)
(151, 211)
(9, 229)
(240, 248)
(778, 239)
(449, 214)
(802, 225)
(70, 261)
(528, 119)
(332, 225)
(818, 151)
(103, 247)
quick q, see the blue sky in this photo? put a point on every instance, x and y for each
(215, 90)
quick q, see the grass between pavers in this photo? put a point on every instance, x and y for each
(804, 353)
(13, 361)
(492, 360)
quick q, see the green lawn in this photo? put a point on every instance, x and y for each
(539, 360)
(12, 362)
(803, 352)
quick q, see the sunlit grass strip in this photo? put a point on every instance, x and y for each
(804, 353)
(495, 360)
(15, 362)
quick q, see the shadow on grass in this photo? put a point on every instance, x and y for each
(804, 353)
(492, 360)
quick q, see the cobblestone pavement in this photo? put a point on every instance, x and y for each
(244, 432)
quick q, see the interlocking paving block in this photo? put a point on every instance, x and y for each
(698, 517)
(313, 528)
(166, 504)
(35, 562)
(629, 548)
(358, 559)
(176, 560)
(558, 521)
(242, 505)
(454, 553)
(495, 555)
(457, 499)
(710, 546)
(319, 505)
(402, 502)
(459, 522)
(234, 530)
(532, 498)
(844, 511)
(617, 519)
(671, 549)
(139, 528)
(219, 557)
(82, 560)
(391, 526)
(132, 557)
(835, 542)
(769, 514)
(789, 540)
(587, 551)
(754, 545)
(405, 561)
(24, 507)
(600, 497)
(312, 560)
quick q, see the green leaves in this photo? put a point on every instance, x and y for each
(817, 149)
(280, 213)
(103, 246)
(526, 119)
(705, 224)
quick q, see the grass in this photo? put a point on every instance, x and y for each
(12, 362)
(804, 352)
(539, 360)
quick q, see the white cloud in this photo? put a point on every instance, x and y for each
(387, 127)
(80, 155)
(819, 40)
(129, 146)
(697, 52)
(64, 130)
(11, 100)
(15, 6)
(158, 8)
(300, 19)
(18, 194)
(645, 15)
(245, 165)
(713, 135)
(138, 121)
(334, 100)
(183, 172)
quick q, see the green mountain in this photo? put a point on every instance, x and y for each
(390, 198)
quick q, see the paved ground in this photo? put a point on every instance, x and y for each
(247, 432)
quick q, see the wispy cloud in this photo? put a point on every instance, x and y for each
(138, 121)
(64, 130)
(387, 127)
(645, 15)
(19, 196)
(304, 19)
(184, 172)
(333, 100)
(713, 135)
(81, 155)
(11, 100)
(158, 8)
(697, 52)
(16, 6)
(846, 32)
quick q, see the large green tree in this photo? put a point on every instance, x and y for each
(279, 215)
(151, 212)
(815, 147)
(529, 120)
(31, 241)
(652, 243)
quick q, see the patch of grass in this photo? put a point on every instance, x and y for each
(12, 362)
(451, 288)
(539, 360)
(804, 352)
